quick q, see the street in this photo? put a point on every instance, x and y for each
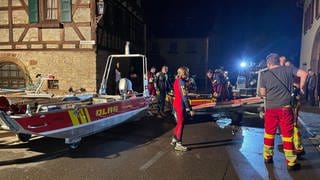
(141, 150)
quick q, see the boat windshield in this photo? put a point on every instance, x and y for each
(125, 67)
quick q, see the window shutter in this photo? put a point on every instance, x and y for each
(65, 10)
(33, 11)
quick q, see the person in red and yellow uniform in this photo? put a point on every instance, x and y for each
(181, 106)
(275, 87)
(299, 149)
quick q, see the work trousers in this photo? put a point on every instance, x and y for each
(282, 117)
(296, 133)
(178, 130)
(152, 89)
(161, 101)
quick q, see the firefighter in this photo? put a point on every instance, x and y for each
(152, 81)
(191, 83)
(296, 105)
(209, 80)
(219, 85)
(275, 84)
(228, 86)
(181, 107)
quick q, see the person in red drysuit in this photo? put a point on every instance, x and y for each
(181, 106)
(151, 81)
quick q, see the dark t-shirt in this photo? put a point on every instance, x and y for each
(162, 81)
(277, 94)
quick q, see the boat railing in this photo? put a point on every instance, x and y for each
(7, 123)
(61, 105)
(111, 98)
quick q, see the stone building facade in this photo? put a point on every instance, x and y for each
(64, 38)
(310, 40)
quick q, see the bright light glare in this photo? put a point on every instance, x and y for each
(243, 64)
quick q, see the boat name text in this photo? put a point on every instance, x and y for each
(106, 111)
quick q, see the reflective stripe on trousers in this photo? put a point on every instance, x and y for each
(296, 134)
(283, 118)
(297, 140)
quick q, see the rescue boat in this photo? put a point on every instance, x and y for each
(73, 118)
(206, 104)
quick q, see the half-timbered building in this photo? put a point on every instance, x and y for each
(66, 39)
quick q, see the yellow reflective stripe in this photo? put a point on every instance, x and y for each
(266, 146)
(297, 139)
(286, 139)
(288, 152)
(82, 116)
(268, 136)
(290, 157)
(267, 151)
(87, 114)
(202, 100)
(73, 117)
(183, 90)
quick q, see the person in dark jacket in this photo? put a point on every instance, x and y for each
(163, 87)
(311, 86)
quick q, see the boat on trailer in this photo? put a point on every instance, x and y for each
(74, 118)
(206, 104)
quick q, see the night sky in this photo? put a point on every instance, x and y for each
(237, 29)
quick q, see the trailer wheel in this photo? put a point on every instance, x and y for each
(24, 137)
(261, 114)
(236, 117)
(74, 145)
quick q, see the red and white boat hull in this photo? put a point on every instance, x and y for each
(74, 123)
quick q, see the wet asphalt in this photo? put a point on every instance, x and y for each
(142, 150)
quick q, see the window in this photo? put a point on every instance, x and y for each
(155, 48)
(308, 17)
(317, 9)
(49, 11)
(191, 47)
(173, 48)
(11, 76)
(53, 84)
(311, 12)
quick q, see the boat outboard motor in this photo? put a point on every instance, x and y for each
(125, 87)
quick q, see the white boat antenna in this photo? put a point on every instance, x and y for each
(127, 48)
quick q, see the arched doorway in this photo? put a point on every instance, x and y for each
(11, 76)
